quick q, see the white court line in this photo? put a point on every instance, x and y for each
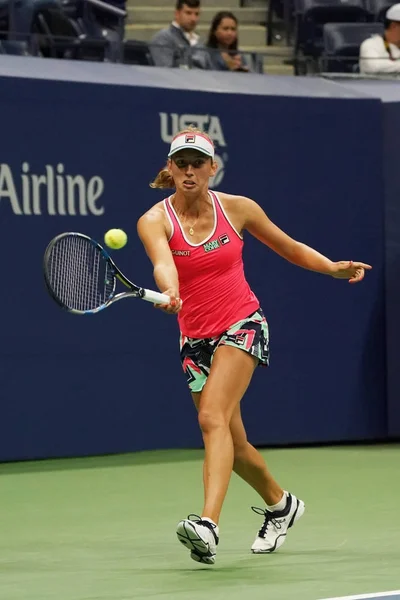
(362, 596)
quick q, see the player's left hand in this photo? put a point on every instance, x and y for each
(348, 269)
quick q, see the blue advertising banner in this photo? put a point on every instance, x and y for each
(79, 156)
(392, 262)
(388, 92)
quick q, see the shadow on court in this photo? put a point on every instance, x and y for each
(101, 462)
(165, 456)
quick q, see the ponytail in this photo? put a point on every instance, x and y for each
(164, 180)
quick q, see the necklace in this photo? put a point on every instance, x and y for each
(191, 227)
(191, 230)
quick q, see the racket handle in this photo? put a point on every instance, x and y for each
(155, 297)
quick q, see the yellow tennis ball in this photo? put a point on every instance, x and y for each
(115, 238)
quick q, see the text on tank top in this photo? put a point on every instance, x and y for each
(212, 283)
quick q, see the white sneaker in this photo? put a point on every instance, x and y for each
(276, 524)
(200, 537)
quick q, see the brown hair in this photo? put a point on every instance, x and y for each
(164, 179)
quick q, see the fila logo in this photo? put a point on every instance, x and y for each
(224, 239)
(215, 244)
(181, 252)
(190, 138)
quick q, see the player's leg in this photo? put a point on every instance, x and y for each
(248, 462)
(282, 508)
(250, 337)
(250, 465)
(229, 377)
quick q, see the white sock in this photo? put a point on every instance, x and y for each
(212, 522)
(279, 505)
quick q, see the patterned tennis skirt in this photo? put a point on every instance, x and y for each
(250, 335)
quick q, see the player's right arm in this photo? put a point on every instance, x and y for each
(152, 232)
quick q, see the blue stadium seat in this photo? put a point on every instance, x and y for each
(342, 45)
(17, 42)
(310, 18)
(100, 20)
(97, 18)
(71, 45)
(284, 10)
(16, 48)
(80, 32)
(5, 13)
(378, 8)
(3, 22)
(57, 36)
(136, 53)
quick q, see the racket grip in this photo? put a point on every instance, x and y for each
(155, 297)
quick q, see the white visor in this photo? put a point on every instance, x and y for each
(193, 141)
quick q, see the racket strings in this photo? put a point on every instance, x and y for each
(79, 275)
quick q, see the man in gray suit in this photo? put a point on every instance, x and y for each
(171, 47)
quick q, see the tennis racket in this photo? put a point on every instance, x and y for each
(82, 278)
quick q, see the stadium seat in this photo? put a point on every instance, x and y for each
(16, 48)
(312, 15)
(79, 33)
(256, 61)
(6, 8)
(3, 23)
(56, 35)
(136, 53)
(284, 10)
(73, 45)
(15, 42)
(342, 45)
(99, 20)
(378, 8)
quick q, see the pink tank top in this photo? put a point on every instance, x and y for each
(212, 284)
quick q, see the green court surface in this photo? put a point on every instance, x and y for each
(104, 528)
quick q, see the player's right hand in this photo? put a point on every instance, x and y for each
(174, 305)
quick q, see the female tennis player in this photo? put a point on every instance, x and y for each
(194, 241)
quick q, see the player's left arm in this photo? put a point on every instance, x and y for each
(256, 222)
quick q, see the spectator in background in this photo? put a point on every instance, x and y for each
(223, 44)
(171, 47)
(380, 55)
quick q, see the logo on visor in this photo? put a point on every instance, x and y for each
(172, 123)
(190, 138)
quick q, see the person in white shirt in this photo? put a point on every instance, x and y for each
(380, 55)
(170, 47)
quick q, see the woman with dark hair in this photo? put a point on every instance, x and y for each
(223, 44)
